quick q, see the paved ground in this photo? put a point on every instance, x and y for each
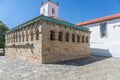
(93, 68)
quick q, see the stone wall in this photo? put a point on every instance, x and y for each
(46, 50)
(55, 51)
(27, 50)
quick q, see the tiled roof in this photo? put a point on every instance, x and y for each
(99, 20)
(51, 19)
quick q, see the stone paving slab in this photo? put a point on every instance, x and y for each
(93, 68)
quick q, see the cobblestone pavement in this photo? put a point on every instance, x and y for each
(93, 68)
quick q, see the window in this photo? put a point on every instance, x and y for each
(52, 35)
(19, 38)
(7, 40)
(26, 36)
(10, 38)
(67, 37)
(60, 36)
(32, 36)
(14, 37)
(43, 10)
(22, 36)
(82, 39)
(53, 11)
(73, 38)
(86, 39)
(37, 35)
(78, 38)
(103, 30)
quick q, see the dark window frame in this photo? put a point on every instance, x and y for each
(103, 30)
(37, 35)
(73, 37)
(60, 36)
(52, 35)
(67, 37)
(78, 38)
(53, 11)
(32, 36)
(83, 39)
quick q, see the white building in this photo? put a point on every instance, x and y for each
(105, 36)
(49, 8)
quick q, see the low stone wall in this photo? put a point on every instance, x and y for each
(28, 53)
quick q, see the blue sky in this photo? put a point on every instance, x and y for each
(15, 12)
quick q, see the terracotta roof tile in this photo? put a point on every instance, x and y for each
(99, 20)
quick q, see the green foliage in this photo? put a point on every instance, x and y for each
(3, 29)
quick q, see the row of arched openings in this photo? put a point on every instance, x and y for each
(84, 39)
(22, 37)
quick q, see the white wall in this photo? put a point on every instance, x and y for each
(48, 9)
(109, 46)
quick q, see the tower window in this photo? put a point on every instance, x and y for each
(43, 10)
(53, 11)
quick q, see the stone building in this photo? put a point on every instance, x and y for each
(47, 39)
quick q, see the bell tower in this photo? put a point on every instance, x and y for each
(49, 8)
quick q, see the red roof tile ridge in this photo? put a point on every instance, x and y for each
(99, 19)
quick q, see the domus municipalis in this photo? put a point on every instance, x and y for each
(47, 38)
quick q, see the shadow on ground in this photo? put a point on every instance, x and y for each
(82, 62)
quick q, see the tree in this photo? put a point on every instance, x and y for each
(3, 29)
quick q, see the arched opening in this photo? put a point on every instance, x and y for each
(82, 39)
(86, 39)
(73, 37)
(22, 36)
(52, 35)
(37, 35)
(53, 11)
(32, 36)
(78, 38)
(14, 37)
(60, 36)
(67, 37)
(19, 38)
(26, 36)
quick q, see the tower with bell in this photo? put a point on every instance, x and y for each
(49, 8)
